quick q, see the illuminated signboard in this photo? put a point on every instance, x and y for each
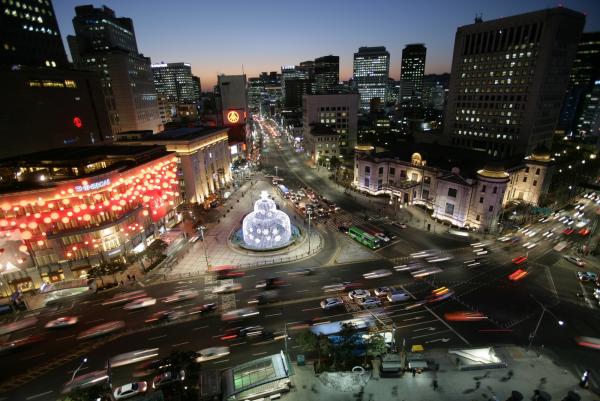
(233, 117)
(77, 122)
(92, 186)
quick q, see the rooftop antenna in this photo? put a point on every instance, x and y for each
(478, 18)
(243, 73)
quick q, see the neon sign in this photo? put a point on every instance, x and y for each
(92, 186)
(77, 122)
(233, 116)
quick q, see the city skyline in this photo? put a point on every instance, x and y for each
(291, 46)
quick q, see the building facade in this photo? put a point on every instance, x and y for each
(321, 144)
(588, 123)
(30, 35)
(435, 89)
(508, 81)
(411, 73)
(203, 159)
(233, 99)
(371, 70)
(106, 44)
(175, 81)
(327, 74)
(466, 196)
(65, 210)
(338, 111)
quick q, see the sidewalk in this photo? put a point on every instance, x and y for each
(530, 373)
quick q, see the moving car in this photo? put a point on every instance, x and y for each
(227, 288)
(211, 353)
(64, 321)
(587, 276)
(240, 332)
(169, 377)
(358, 294)
(575, 260)
(15, 344)
(517, 275)
(269, 283)
(464, 316)
(369, 302)
(101, 329)
(397, 296)
(130, 390)
(264, 297)
(205, 308)
(140, 303)
(382, 291)
(330, 303)
(128, 358)
(179, 296)
(519, 260)
(343, 286)
(301, 272)
(379, 273)
(239, 314)
(125, 297)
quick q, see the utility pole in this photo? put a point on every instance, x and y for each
(309, 213)
(202, 228)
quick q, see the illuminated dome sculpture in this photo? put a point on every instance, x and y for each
(266, 227)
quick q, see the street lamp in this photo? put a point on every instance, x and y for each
(79, 367)
(309, 213)
(537, 326)
(276, 175)
(202, 228)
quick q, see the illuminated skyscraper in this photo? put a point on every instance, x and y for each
(411, 74)
(371, 72)
(176, 82)
(327, 74)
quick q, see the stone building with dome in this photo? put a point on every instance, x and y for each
(462, 187)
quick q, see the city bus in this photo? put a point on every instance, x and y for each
(364, 238)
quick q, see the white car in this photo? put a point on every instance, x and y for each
(369, 302)
(130, 390)
(140, 303)
(383, 291)
(575, 260)
(208, 354)
(377, 274)
(227, 288)
(358, 294)
(61, 322)
(331, 303)
(238, 314)
(101, 330)
(179, 296)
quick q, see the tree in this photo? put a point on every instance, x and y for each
(311, 342)
(375, 346)
(343, 350)
(156, 249)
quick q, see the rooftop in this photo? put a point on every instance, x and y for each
(177, 134)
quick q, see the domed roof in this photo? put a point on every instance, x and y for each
(492, 170)
(364, 148)
(540, 154)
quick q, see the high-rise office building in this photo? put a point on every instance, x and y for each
(435, 88)
(327, 74)
(585, 72)
(107, 44)
(197, 87)
(175, 81)
(588, 123)
(411, 74)
(508, 81)
(303, 72)
(371, 72)
(30, 35)
(233, 97)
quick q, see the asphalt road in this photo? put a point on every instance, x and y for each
(512, 308)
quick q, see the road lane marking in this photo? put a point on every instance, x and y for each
(157, 337)
(177, 345)
(236, 344)
(416, 324)
(274, 314)
(221, 361)
(429, 334)
(33, 397)
(260, 353)
(302, 291)
(309, 309)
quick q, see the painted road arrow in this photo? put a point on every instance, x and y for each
(444, 340)
(425, 328)
(413, 318)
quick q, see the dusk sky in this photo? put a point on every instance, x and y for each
(219, 36)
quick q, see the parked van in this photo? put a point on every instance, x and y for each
(398, 296)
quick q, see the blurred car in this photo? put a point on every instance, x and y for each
(179, 296)
(425, 272)
(519, 260)
(301, 272)
(464, 316)
(271, 282)
(203, 309)
(357, 294)
(439, 294)
(171, 376)
(61, 322)
(575, 260)
(227, 288)
(128, 358)
(130, 390)
(382, 291)
(587, 276)
(211, 353)
(239, 314)
(140, 303)
(125, 297)
(101, 330)
(517, 275)
(440, 258)
(399, 225)
(410, 266)
(584, 231)
(588, 342)
(330, 303)
(264, 297)
(425, 254)
(475, 262)
(227, 271)
(369, 302)
(150, 367)
(379, 273)
(18, 343)
(159, 316)
(241, 332)
(85, 381)
(343, 286)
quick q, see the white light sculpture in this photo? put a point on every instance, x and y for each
(266, 227)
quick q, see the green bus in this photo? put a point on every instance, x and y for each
(364, 238)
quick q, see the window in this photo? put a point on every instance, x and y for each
(452, 193)
(367, 181)
(526, 169)
(449, 209)
(392, 170)
(481, 200)
(491, 208)
(535, 183)
(427, 180)
(477, 217)
(380, 170)
(379, 184)
(495, 191)
(402, 173)
(537, 172)
(483, 188)
(425, 194)
(414, 177)
(367, 170)
(524, 179)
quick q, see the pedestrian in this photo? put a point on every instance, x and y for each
(435, 384)
(414, 372)
(477, 384)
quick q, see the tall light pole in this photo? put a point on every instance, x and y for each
(202, 228)
(276, 174)
(79, 367)
(309, 213)
(537, 326)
